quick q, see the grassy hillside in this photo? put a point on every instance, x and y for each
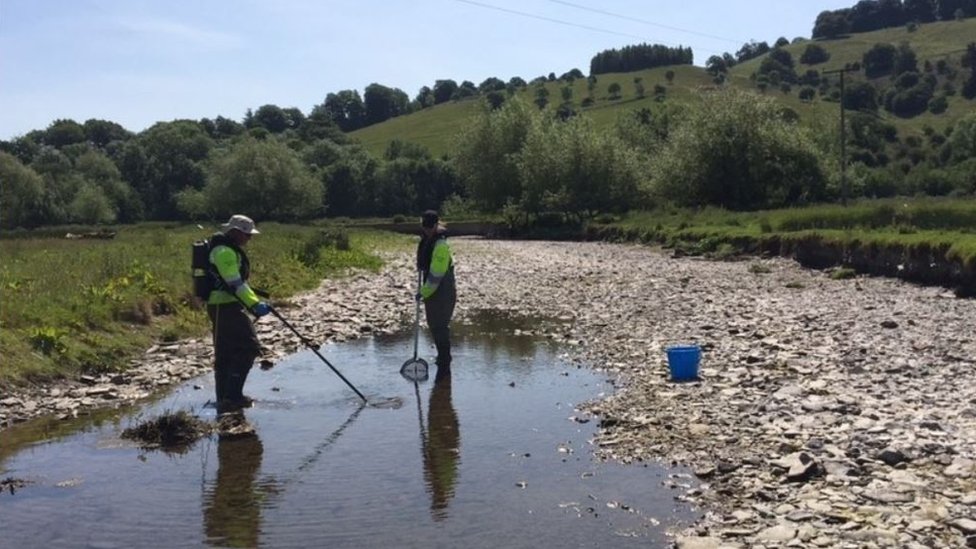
(436, 127)
(931, 41)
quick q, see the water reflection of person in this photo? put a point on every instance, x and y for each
(231, 511)
(441, 446)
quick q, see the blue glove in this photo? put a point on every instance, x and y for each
(417, 296)
(261, 309)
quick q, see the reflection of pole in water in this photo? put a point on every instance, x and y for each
(232, 510)
(441, 446)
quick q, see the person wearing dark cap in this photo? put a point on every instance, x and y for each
(235, 342)
(438, 291)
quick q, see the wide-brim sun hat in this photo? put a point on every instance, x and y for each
(242, 223)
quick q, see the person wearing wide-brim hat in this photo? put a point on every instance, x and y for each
(236, 344)
(439, 291)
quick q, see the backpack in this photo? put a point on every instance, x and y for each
(203, 282)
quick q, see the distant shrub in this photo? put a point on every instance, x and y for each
(938, 104)
(814, 54)
(843, 273)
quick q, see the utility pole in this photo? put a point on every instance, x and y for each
(843, 135)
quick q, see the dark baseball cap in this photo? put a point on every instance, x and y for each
(429, 219)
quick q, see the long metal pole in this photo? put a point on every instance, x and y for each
(844, 191)
(843, 144)
(317, 353)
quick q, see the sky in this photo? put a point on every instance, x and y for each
(138, 62)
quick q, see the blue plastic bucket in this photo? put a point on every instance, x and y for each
(683, 361)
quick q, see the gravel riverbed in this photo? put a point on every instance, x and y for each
(830, 413)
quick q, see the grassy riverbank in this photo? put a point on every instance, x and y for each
(91, 305)
(912, 223)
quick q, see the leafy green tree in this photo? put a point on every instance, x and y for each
(647, 129)
(614, 90)
(64, 132)
(921, 11)
(639, 87)
(905, 60)
(174, 155)
(25, 148)
(737, 151)
(831, 24)
(938, 104)
(572, 74)
(491, 84)
(541, 96)
(466, 89)
(962, 142)
(716, 64)
(781, 42)
(485, 155)
(969, 60)
(91, 206)
(225, 127)
(271, 118)
(408, 184)
(350, 182)
(495, 99)
(751, 50)
(264, 178)
(322, 154)
(669, 76)
(860, 96)
(295, 117)
(570, 167)
(21, 194)
(425, 97)
(319, 125)
(444, 90)
(346, 109)
(910, 95)
(879, 60)
(102, 132)
(383, 103)
(814, 54)
(778, 62)
(99, 171)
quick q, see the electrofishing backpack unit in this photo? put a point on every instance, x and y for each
(203, 282)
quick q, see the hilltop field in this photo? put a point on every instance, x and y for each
(436, 127)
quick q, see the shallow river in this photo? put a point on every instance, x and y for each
(494, 456)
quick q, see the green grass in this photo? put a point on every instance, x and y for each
(438, 126)
(931, 41)
(73, 306)
(948, 224)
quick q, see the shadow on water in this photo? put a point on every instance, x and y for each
(488, 455)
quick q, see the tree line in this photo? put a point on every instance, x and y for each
(870, 15)
(639, 57)
(734, 149)
(96, 172)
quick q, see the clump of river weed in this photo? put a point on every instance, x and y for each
(170, 430)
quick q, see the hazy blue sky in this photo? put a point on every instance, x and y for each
(137, 62)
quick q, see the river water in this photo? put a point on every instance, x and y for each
(493, 456)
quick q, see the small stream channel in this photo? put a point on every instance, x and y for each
(491, 457)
